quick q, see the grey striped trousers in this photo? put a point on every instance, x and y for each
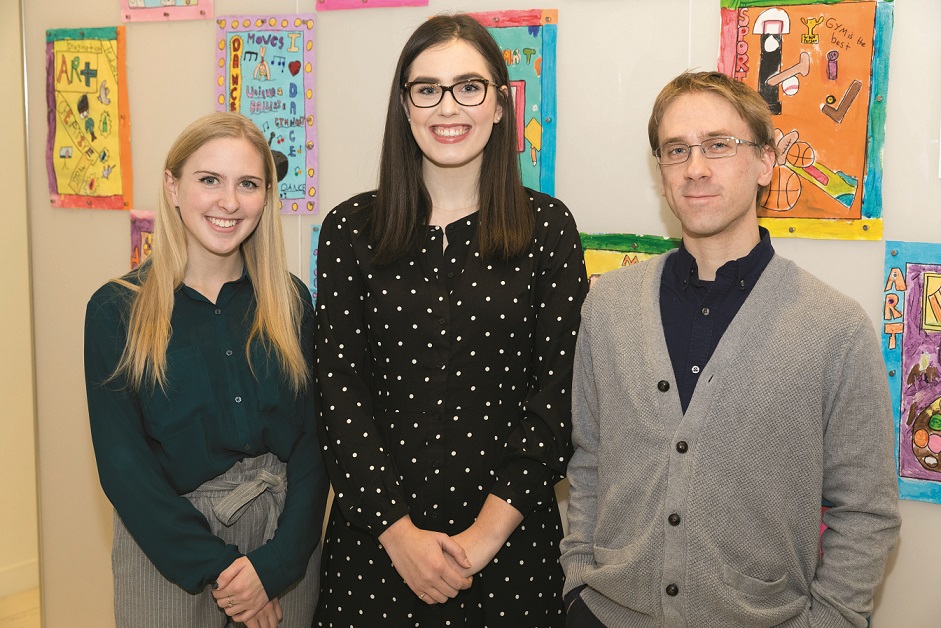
(143, 598)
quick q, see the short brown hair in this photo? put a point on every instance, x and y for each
(747, 102)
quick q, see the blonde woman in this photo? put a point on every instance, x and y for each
(198, 370)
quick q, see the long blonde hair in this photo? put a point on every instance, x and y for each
(279, 308)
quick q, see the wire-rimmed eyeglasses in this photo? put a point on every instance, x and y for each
(673, 153)
(469, 93)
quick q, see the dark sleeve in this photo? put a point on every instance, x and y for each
(171, 532)
(539, 449)
(283, 560)
(364, 476)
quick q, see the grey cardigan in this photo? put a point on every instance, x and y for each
(793, 406)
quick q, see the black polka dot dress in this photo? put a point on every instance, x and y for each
(445, 378)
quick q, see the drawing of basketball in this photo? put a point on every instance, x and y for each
(783, 190)
(801, 154)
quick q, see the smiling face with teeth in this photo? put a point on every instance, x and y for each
(221, 194)
(452, 135)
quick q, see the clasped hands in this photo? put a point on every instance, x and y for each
(239, 592)
(436, 566)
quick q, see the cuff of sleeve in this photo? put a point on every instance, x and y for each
(381, 522)
(575, 566)
(231, 554)
(525, 484)
(823, 615)
(272, 573)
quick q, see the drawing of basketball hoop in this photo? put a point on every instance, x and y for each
(771, 26)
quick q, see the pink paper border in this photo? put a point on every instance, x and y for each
(333, 5)
(201, 11)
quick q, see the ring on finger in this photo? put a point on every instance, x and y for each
(231, 603)
(422, 596)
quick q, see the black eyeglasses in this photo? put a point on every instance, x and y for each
(469, 93)
(712, 147)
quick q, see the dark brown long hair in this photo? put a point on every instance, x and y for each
(397, 220)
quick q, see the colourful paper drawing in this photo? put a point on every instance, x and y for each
(331, 5)
(265, 70)
(607, 251)
(314, 246)
(163, 10)
(142, 236)
(822, 66)
(911, 346)
(88, 149)
(528, 40)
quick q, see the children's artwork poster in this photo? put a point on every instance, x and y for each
(142, 236)
(607, 251)
(164, 10)
(528, 40)
(314, 249)
(266, 71)
(88, 146)
(331, 5)
(822, 66)
(911, 346)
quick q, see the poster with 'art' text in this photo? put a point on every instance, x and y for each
(911, 346)
(88, 149)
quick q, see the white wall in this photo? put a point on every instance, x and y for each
(19, 553)
(614, 55)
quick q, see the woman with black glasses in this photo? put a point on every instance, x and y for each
(447, 311)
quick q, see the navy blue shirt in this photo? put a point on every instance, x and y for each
(695, 313)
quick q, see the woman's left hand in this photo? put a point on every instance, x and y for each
(484, 538)
(240, 592)
(268, 617)
(480, 548)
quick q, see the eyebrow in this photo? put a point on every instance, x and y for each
(457, 79)
(701, 136)
(220, 176)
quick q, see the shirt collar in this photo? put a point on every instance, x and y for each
(742, 272)
(226, 291)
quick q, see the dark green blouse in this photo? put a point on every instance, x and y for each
(154, 446)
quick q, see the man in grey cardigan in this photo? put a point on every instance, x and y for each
(721, 394)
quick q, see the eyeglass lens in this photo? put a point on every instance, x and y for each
(712, 148)
(469, 93)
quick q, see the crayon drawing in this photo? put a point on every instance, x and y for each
(265, 70)
(88, 150)
(911, 345)
(822, 68)
(607, 251)
(142, 236)
(332, 5)
(528, 40)
(164, 10)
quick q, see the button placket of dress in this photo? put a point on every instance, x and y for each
(431, 261)
(435, 310)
